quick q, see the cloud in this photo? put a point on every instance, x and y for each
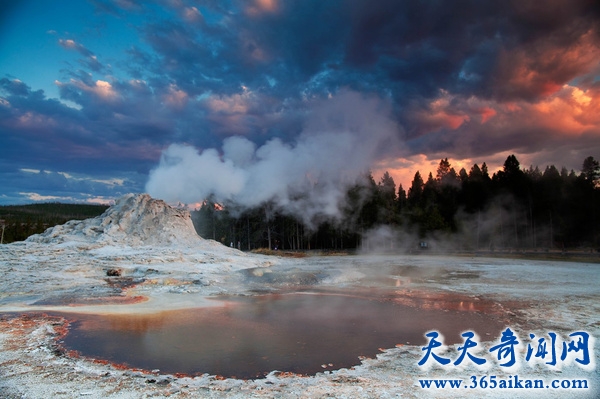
(72, 45)
(465, 80)
(116, 7)
(90, 60)
(102, 90)
(258, 7)
(191, 15)
(22, 185)
(404, 50)
(37, 197)
(40, 133)
(558, 129)
(233, 104)
(14, 87)
(176, 98)
(540, 69)
(46, 198)
(107, 181)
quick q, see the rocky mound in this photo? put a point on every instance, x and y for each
(134, 220)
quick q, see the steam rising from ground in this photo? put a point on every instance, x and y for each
(502, 224)
(308, 178)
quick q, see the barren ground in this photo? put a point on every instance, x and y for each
(142, 256)
(535, 296)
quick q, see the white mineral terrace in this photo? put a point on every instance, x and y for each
(163, 265)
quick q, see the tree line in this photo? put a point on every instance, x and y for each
(514, 208)
(511, 209)
(17, 222)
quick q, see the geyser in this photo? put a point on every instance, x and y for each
(343, 138)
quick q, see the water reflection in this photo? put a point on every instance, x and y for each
(251, 336)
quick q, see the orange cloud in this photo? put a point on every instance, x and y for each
(540, 70)
(262, 7)
(68, 43)
(570, 111)
(101, 88)
(32, 119)
(175, 97)
(451, 112)
(234, 104)
(440, 113)
(231, 113)
(486, 113)
(526, 129)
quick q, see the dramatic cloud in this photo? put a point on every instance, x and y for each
(467, 80)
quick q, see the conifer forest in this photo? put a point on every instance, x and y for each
(512, 208)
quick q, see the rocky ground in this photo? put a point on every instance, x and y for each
(142, 256)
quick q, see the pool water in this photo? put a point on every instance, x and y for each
(248, 337)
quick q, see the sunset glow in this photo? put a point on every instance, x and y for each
(100, 89)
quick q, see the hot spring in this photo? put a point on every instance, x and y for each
(249, 336)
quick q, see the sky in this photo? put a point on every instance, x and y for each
(244, 99)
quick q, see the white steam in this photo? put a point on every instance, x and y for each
(308, 178)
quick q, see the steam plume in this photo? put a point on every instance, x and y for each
(307, 178)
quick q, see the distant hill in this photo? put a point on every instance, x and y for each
(21, 221)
